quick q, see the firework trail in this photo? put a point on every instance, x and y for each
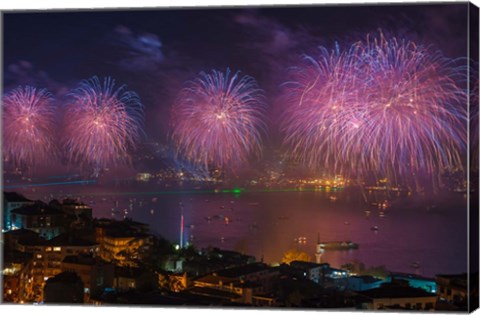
(102, 124)
(416, 117)
(28, 126)
(385, 106)
(322, 114)
(218, 120)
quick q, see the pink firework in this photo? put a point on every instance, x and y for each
(218, 120)
(28, 126)
(321, 116)
(385, 106)
(415, 111)
(102, 124)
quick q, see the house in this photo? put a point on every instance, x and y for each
(320, 273)
(95, 274)
(77, 209)
(133, 278)
(40, 218)
(16, 269)
(453, 289)
(122, 242)
(311, 271)
(258, 272)
(11, 201)
(249, 284)
(396, 295)
(234, 290)
(47, 256)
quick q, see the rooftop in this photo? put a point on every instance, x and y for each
(18, 233)
(307, 265)
(393, 291)
(16, 257)
(366, 279)
(72, 202)
(38, 208)
(213, 279)
(236, 272)
(70, 277)
(213, 293)
(123, 223)
(126, 234)
(26, 237)
(14, 197)
(409, 276)
(461, 276)
(68, 240)
(124, 228)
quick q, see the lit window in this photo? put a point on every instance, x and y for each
(57, 249)
(39, 256)
(48, 249)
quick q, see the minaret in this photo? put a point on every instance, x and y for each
(319, 250)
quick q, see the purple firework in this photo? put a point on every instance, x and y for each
(218, 119)
(415, 111)
(385, 106)
(321, 114)
(102, 123)
(28, 126)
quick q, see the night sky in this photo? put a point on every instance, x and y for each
(154, 52)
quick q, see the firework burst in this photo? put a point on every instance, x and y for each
(416, 114)
(28, 126)
(218, 119)
(321, 117)
(385, 106)
(102, 123)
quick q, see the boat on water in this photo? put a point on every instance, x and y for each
(415, 265)
(300, 240)
(344, 245)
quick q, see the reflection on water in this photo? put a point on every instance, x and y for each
(403, 233)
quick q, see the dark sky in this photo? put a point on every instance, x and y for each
(155, 51)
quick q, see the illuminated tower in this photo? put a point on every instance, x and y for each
(319, 250)
(181, 230)
(182, 225)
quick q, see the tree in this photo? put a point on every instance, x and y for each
(293, 254)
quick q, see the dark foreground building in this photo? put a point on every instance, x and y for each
(64, 288)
